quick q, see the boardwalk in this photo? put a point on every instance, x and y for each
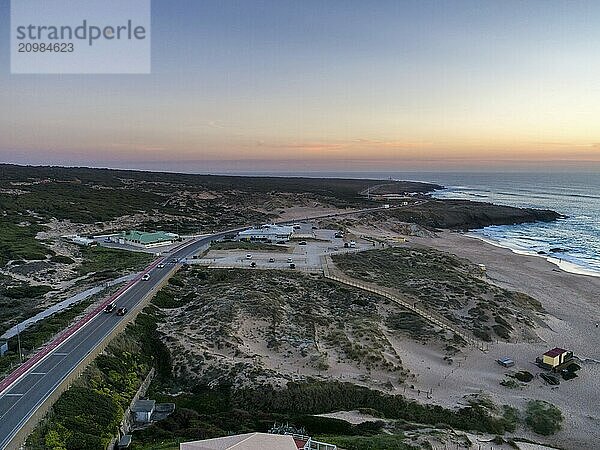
(333, 273)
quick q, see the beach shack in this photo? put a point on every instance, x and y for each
(556, 357)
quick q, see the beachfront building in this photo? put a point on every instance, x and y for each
(83, 241)
(267, 233)
(146, 240)
(557, 356)
(258, 441)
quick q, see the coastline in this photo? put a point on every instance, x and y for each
(562, 264)
(571, 305)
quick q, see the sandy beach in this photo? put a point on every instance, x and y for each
(572, 309)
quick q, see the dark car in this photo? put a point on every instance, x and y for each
(121, 311)
(302, 243)
(252, 264)
(109, 308)
(292, 266)
(550, 379)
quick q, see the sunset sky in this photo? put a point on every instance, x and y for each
(327, 85)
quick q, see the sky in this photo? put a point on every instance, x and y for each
(292, 86)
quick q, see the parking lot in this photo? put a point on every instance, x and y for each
(303, 251)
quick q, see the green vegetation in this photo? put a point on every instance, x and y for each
(37, 334)
(524, 376)
(18, 242)
(26, 291)
(543, 417)
(82, 418)
(99, 259)
(465, 215)
(446, 284)
(86, 416)
(61, 259)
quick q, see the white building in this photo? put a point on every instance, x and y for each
(267, 233)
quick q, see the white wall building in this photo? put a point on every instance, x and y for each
(267, 233)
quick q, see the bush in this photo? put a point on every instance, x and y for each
(543, 417)
(26, 291)
(61, 259)
(524, 376)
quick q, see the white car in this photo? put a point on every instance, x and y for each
(146, 277)
(248, 256)
(160, 266)
(290, 260)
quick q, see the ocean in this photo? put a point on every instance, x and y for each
(573, 243)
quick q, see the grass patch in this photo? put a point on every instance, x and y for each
(26, 291)
(18, 242)
(99, 259)
(543, 417)
(61, 259)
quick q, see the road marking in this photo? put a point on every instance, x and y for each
(59, 354)
(37, 373)
(12, 395)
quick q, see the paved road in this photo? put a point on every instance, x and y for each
(22, 398)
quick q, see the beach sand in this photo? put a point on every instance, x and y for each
(572, 303)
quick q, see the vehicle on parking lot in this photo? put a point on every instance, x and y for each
(292, 266)
(110, 308)
(290, 260)
(352, 244)
(550, 379)
(346, 245)
(271, 259)
(505, 362)
(146, 277)
(302, 243)
(121, 311)
(248, 256)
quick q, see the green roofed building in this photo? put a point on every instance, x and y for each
(147, 240)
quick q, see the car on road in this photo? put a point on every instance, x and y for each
(271, 259)
(146, 277)
(248, 256)
(290, 260)
(252, 264)
(292, 266)
(302, 243)
(121, 311)
(110, 308)
(160, 266)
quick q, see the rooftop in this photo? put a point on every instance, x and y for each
(250, 441)
(144, 406)
(149, 238)
(555, 352)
